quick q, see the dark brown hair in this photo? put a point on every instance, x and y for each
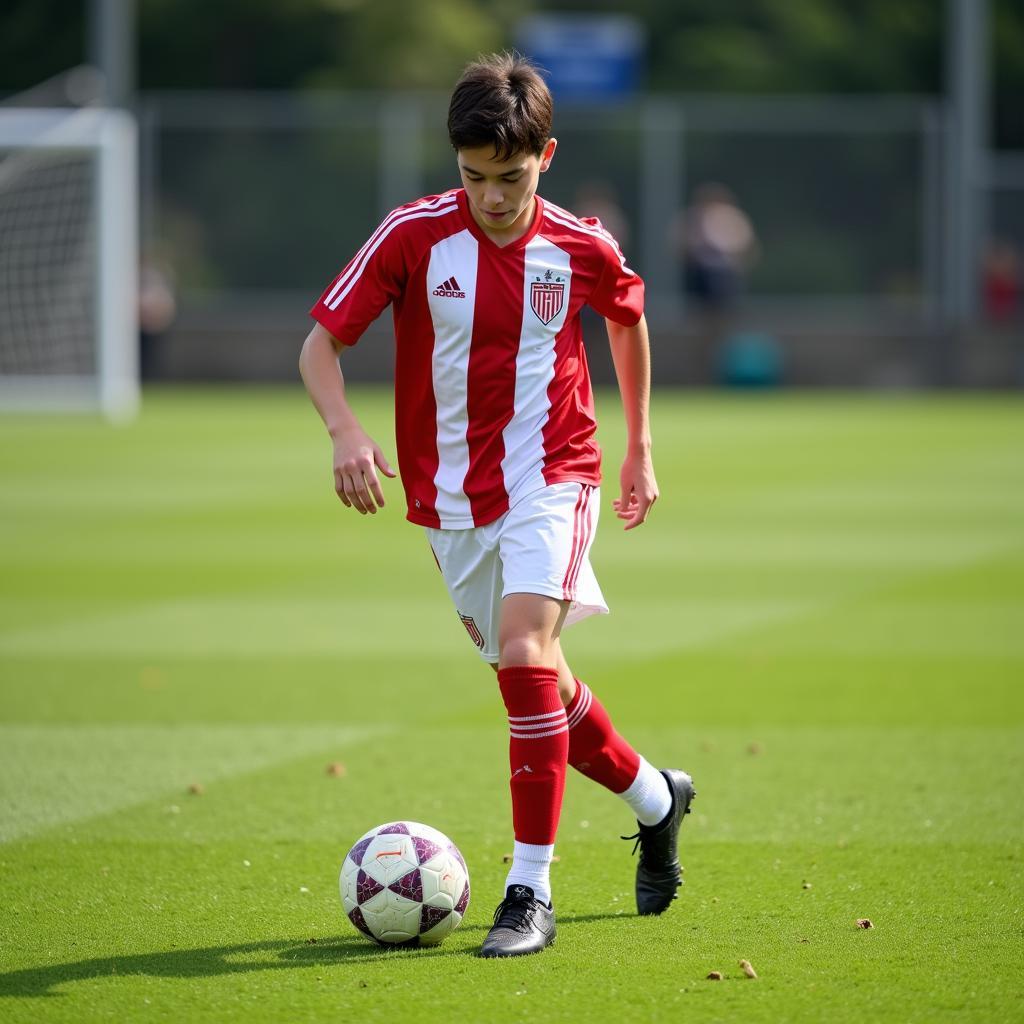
(502, 101)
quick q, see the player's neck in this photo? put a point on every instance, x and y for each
(515, 230)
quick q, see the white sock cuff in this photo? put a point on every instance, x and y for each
(533, 853)
(648, 795)
(531, 865)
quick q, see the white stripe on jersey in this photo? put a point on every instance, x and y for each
(569, 220)
(523, 464)
(386, 222)
(358, 265)
(453, 333)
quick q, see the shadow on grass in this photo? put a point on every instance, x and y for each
(208, 962)
(214, 961)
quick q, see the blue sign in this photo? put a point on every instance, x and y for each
(585, 58)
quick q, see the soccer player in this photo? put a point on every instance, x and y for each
(494, 418)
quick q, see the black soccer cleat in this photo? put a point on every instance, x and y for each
(522, 924)
(659, 874)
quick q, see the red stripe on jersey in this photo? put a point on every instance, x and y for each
(570, 450)
(414, 390)
(491, 385)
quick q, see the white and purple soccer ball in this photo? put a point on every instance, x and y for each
(402, 882)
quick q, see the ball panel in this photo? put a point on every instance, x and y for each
(440, 900)
(397, 920)
(389, 857)
(357, 851)
(454, 851)
(431, 916)
(347, 878)
(417, 828)
(460, 907)
(409, 886)
(355, 915)
(440, 930)
(374, 906)
(394, 828)
(425, 848)
(442, 875)
(347, 885)
(366, 887)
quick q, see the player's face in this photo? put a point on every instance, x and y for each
(501, 192)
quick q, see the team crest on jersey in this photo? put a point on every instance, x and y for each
(473, 630)
(547, 296)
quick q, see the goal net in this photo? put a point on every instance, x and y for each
(68, 261)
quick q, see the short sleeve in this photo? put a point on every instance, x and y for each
(619, 292)
(363, 290)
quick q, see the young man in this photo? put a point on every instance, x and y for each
(495, 431)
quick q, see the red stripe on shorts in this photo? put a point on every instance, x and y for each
(588, 528)
(575, 544)
(580, 537)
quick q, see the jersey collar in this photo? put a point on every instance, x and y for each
(483, 237)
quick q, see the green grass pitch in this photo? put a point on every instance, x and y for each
(823, 621)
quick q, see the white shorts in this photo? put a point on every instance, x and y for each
(541, 545)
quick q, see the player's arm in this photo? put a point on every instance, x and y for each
(357, 457)
(631, 354)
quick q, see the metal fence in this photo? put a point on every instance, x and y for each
(258, 199)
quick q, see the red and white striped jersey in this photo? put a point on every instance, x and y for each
(492, 392)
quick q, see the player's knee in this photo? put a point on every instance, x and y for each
(525, 649)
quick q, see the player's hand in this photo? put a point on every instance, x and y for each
(357, 457)
(639, 490)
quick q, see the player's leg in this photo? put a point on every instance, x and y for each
(543, 543)
(658, 799)
(538, 732)
(538, 748)
(524, 627)
(599, 752)
(566, 679)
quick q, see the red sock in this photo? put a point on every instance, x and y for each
(595, 748)
(537, 750)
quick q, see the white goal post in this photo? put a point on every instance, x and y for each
(69, 261)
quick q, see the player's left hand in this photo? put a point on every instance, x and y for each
(639, 490)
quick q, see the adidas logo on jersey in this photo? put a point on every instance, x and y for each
(450, 289)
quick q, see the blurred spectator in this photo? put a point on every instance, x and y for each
(1001, 281)
(718, 247)
(597, 198)
(717, 243)
(157, 310)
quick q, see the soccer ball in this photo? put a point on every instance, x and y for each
(404, 882)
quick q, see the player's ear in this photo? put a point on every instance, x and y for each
(547, 153)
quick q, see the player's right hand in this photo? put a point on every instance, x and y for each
(356, 461)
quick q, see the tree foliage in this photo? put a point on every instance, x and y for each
(796, 46)
(276, 44)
